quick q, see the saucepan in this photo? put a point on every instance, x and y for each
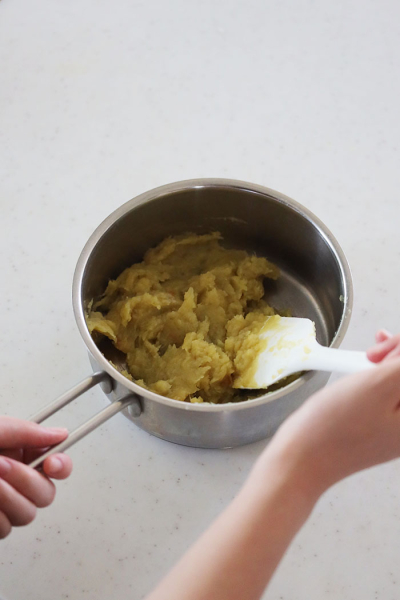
(315, 282)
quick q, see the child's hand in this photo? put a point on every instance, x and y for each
(346, 427)
(387, 347)
(23, 489)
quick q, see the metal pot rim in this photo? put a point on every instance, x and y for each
(190, 184)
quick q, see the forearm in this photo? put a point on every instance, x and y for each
(237, 556)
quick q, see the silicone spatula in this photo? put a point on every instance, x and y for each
(288, 345)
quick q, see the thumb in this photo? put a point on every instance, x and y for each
(16, 433)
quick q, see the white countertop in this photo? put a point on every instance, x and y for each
(101, 101)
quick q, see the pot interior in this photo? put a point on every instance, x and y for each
(312, 283)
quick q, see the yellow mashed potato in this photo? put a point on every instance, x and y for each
(187, 317)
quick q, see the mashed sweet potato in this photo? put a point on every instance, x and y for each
(182, 315)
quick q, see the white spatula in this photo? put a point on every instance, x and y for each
(289, 345)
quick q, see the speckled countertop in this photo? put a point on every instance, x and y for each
(101, 101)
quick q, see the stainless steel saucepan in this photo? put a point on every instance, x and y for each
(315, 283)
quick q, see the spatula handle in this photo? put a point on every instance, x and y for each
(342, 361)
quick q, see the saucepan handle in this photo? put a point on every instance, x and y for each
(91, 424)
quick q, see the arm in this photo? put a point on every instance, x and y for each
(238, 555)
(344, 428)
(22, 489)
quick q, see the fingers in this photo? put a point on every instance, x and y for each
(386, 349)
(15, 454)
(5, 526)
(28, 482)
(58, 466)
(15, 433)
(23, 489)
(28, 455)
(382, 335)
(394, 353)
(18, 509)
(31, 454)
